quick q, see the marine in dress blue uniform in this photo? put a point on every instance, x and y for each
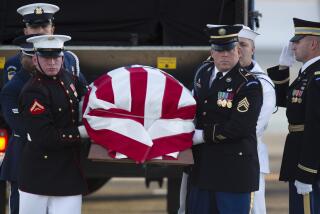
(51, 172)
(9, 104)
(300, 162)
(229, 100)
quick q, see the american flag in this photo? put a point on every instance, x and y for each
(139, 112)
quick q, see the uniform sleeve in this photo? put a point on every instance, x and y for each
(281, 80)
(309, 162)
(10, 68)
(244, 116)
(38, 118)
(268, 106)
(9, 105)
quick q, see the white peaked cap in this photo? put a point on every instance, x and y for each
(247, 33)
(49, 41)
(30, 8)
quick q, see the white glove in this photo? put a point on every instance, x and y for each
(83, 132)
(302, 188)
(198, 137)
(287, 57)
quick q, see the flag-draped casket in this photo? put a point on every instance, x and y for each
(139, 112)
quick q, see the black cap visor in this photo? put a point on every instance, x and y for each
(33, 20)
(223, 47)
(296, 38)
(49, 53)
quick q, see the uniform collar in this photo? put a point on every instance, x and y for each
(310, 62)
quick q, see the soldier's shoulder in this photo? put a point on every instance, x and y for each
(205, 66)
(247, 76)
(316, 77)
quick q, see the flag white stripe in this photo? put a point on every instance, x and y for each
(154, 97)
(121, 88)
(185, 98)
(167, 127)
(126, 127)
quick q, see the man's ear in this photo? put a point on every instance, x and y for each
(34, 60)
(25, 31)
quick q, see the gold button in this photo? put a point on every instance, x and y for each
(206, 101)
(54, 78)
(73, 121)
(72, 111)
(45, 157)
(78, 136)
(67, 91)
(71, 101)
(70, 136)
(204, 113)
(240, 153)
(39, 79)
(60, 109)
(63, 135)
(62, 83)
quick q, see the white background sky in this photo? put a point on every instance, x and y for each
(276, 25)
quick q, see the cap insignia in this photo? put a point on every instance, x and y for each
(50, 38)
(222, 31)
(38, 11)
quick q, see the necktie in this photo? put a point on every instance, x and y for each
(218, 76)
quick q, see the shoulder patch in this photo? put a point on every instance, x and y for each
(252, 83)
(11, 71)
(36, 107)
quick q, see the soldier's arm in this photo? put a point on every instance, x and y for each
(281, 80)
(244, 116)
(309, 162)
(37, 115)
(10, 68)
(9, 107)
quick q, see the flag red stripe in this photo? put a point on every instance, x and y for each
(104, 89)
(170, 144)
(114, 113)
(171, 97)
(138, 83)
(120, 143)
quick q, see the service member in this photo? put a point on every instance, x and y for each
(50, 175)
(9, 106)
(300, 162)
(229, 100)
(38, 19)
(247, 49)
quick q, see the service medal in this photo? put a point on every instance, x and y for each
(219, 102)
(229, 104)
(224, 103)
(299, 100)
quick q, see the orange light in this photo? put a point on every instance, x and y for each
(3, 140)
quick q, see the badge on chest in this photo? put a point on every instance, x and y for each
(73, 88)
(225, 98)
